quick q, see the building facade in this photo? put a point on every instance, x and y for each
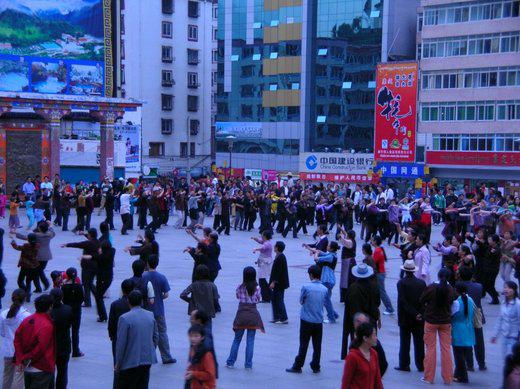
(168, 49)
(299, 75)
(469, 121)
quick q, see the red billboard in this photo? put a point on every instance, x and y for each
(473, 158)
(396, 112)
(337, 178)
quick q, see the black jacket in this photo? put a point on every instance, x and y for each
(117, 309)
(279, 273)
(73, 295)
(62, 317)
(409, 291)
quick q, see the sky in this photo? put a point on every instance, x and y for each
(64, 6)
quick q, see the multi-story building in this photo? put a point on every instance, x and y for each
(299, 75)
(470, 88)
(167, 63)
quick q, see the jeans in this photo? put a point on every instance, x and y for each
(331, 313)
(461, 370)
(250, 346)
(382, 291)
(430, 360)
(40, 380)
(309, 330)
(405, 333)
(480, 351)
(134, 378)
(164, 343)
(13, 377)
(279, 312)
(62, 364)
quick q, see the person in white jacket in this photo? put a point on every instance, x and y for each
(10, 320)
(508, 324)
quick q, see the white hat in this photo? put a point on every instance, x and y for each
(409, 265)
(362, 270)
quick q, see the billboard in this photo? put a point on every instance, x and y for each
(336, 163)
(86, 152)
(239, 129)
(396, 112)
(131, 136)
(474, 158)
(49, 46)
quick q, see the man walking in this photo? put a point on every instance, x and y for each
(62, 317)
(124, 211)
(137, 338)
(161, 288)
(409, 316)
(35, 345)
(312, 299)
(278, 282)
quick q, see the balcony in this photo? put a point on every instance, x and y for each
(193, 85)
(168, 83)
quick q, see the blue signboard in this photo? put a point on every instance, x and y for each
(400, 170)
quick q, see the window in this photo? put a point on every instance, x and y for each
(214, 34)
(193, 33)
(123, 78)
(167, 78)
(194, 127)
(184, 149)
(193, 103)
(193, 57)
(167, 29)
(167, 54)
(193, 80)
(214, 76)
(214, 55)
(215, 12)
(167, 7)
(166, 126)
(166, 102)
(156, 149)
(122, 23)
(193, 9)
(122, 49)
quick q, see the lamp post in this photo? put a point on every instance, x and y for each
(230, 140)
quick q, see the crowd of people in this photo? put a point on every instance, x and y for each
(480, 245)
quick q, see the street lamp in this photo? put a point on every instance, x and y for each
(230, 140)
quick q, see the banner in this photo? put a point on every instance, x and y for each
(239, 129)
(87, 153)
(255, 174)
(400, 170)
(472, 158)
(55, 47)
(340, 163)
(269, 175)
(396, 112)
(131, 136)
(335, 177)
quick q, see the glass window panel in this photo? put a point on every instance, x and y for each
(434, 113)
(473, 144)
(470, 113)
(467, 80)
(425, 82)
(461, 113)
(438, 81)
(482, 144)
(436, 143)
(425, 114)
(509, 144)
(445, 81)
(481, 112)
(465, 144)
(502, 79)
(511, 76)
(499, 144)
(490, 112)
(501, 114)
(493, 79)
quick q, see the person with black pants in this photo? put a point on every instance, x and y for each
(475, 291)
(104, 276)
(291, 207)
(278, 282)
(312, 299)
(117, 309)
(142, 209)
(62, 317)
(65, 205)
(410, 317)
(225, 214)
(491, 267)
(301, 216)
(89, 208)
(73, 297)
(109, 208)
(90, 248)
(56, 205)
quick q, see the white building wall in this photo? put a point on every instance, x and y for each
(143, 67)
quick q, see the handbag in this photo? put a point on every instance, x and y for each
(477, 316)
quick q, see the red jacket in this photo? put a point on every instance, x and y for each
(204, 373)
(359, 373)
(35, 340)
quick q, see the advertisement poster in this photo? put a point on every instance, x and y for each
(396, 112)
(49, 46)
(400, 170)
(329, 177)
(255, 174)
(269, 175)
(131, 136)
(339, 163)
(87, 153)
(239, 129)
(472, 158)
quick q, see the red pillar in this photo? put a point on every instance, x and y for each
(53, 126)
(106, 144)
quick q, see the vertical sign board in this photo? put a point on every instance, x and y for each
(396, 112)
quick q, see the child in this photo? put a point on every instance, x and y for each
(29, 211)
(201, 371)
(247, 317)
(14, 221)
(28, 263)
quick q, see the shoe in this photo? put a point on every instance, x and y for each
(425, 381)
(230, 366)
(283, 322)
(100, 320)
(273, 321)
(336, 315)
(399, 368)
(471, 368)
(170, 361)
(248, 368)
(388, 313)
(78, 355)
(482, 368)
(86, 306)
(293, 370)
(37, 290)
(316, 371)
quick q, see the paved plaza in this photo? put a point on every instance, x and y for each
(274, 351)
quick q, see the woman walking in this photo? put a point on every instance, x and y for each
(264, 263)
(73, 296)
(462, 332)
(348, 260)
(247, 318)
(361, 369)
(10, 320)
(28, 263)
(437, 300)
(508, 324)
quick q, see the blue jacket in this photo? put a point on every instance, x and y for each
(327, 273)
(462, 330)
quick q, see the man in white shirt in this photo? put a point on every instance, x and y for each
(389, 194)
(46, 186)
(124, 211)
(357, 196)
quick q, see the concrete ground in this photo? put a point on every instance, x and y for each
(274, 351)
